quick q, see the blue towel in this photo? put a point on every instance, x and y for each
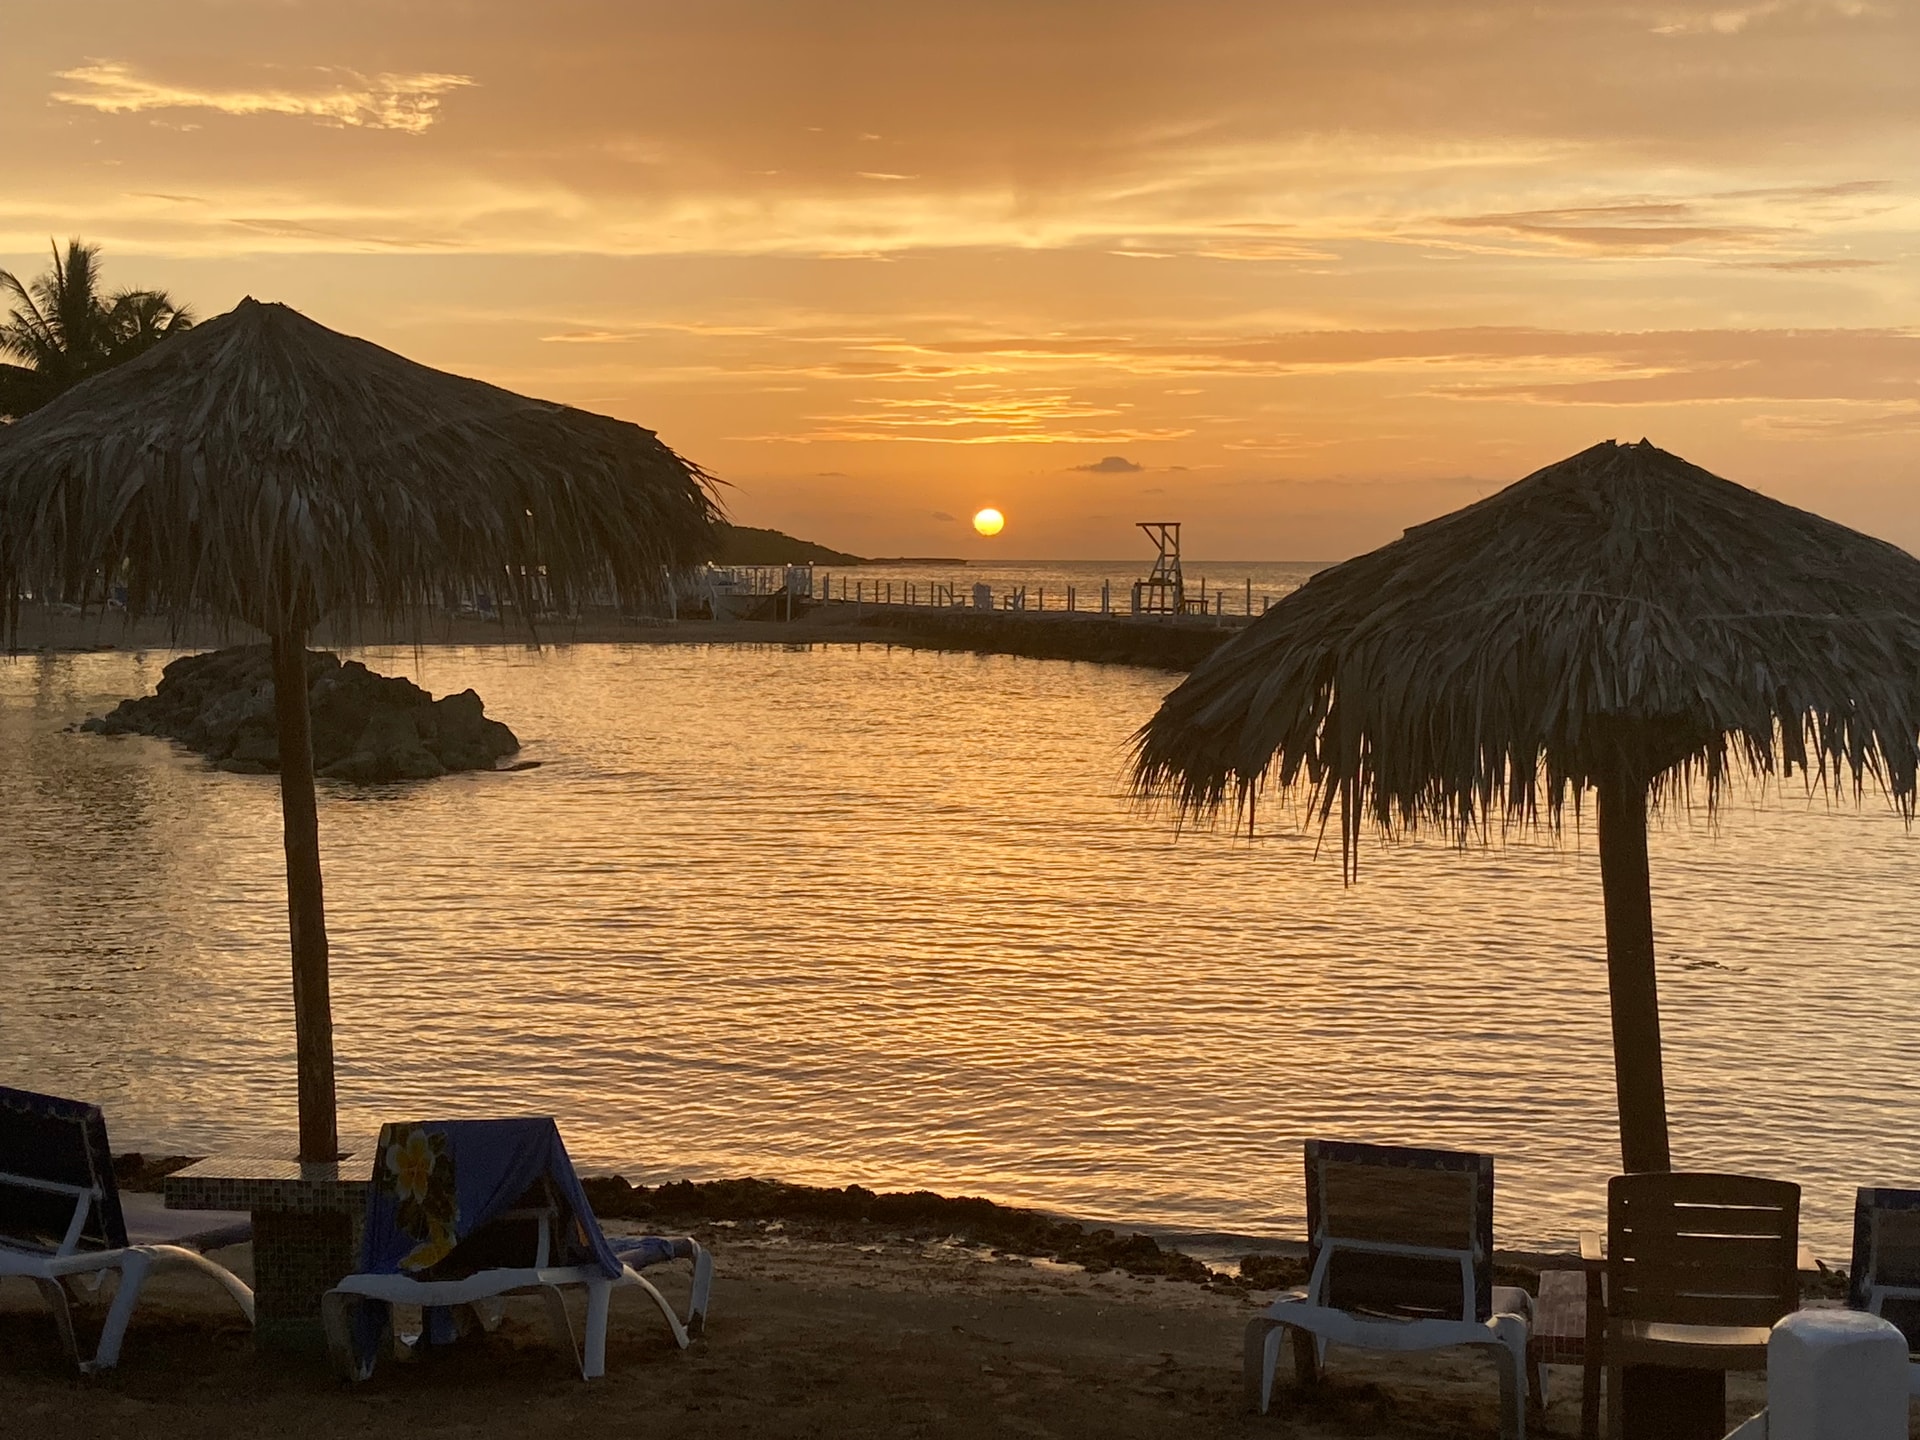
(437, 1183)
(640, 1251)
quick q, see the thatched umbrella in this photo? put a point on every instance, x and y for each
(270, 471)
(1622, 621)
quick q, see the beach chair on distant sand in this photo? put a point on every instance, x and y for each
(61, 1223)
(462, 1212)
(1400, 1257)
(1884, 1278)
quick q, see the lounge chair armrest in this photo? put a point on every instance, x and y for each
(1513, 1300)
(1809, 1262)
(1593, 1248)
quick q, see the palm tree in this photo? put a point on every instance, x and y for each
(64, 331)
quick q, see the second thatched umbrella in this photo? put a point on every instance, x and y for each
(1621, 621)
(269, 470)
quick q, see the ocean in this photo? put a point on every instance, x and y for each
(868, 914)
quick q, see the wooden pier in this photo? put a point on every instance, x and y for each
(1160, 642)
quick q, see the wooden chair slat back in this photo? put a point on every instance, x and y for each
(1702, 1249)
(1407, 1207)
(1407, 1196)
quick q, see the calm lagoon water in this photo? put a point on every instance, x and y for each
(886, 916)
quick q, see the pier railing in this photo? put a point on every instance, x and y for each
(1219, 604)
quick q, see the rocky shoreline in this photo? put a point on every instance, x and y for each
(367, 728)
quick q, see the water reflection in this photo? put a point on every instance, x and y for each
(885, 916)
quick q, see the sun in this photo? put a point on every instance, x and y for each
(989, 521)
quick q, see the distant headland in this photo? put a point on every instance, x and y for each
(750, 545)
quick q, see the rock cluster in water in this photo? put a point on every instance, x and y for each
(366, 727)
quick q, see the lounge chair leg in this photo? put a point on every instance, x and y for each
(599, 1300)
(1260, 1353)
(133, 1274)
(230, 1282)
(333, 1323)
(562, 1322)
(702, 1292)
(61, 1305)
(1616, 1412)
(1516, 1394)
(1512, 1367)
(1308, 1352)
(681, 1336)
(336, 1319)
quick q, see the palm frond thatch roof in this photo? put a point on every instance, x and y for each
(1622, 610)
(271, 469)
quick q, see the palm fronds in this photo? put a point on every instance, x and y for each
(63, 331)
(1621, 612)
(267, 468)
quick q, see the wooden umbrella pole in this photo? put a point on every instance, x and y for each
(306, 908)
(1633, 990)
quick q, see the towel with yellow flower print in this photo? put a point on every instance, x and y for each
(439, 1184)
(416, 1170)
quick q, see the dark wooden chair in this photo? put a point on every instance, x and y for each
(1695, 1271)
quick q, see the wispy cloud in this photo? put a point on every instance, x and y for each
(1811, 263)
(1276, 444)
(1714, 367)
(338, 236)
(649, 331)
(1645, 225)
(1904, 421)
(405, 102)
(1732, 19)
(991, 416)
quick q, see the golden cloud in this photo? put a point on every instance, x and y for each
(409, 103)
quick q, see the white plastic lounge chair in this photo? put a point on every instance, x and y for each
(61, 1223)
(428, 1243)
(1885, 1276)
(1400, 1255)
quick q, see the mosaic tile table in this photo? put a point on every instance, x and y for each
(306, 1227)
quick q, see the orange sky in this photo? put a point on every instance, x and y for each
(1298, 275)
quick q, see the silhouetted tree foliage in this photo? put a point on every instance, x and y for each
(63, 329)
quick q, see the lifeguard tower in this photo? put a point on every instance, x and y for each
(1164, 591)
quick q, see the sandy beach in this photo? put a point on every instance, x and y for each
(808, 1337)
